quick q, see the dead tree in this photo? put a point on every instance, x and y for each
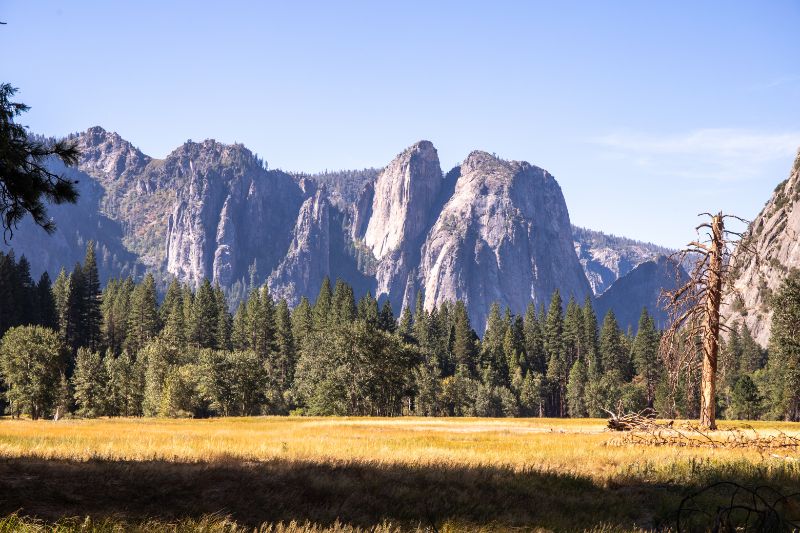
(694, 308)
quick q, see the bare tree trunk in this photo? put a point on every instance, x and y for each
(711, 326)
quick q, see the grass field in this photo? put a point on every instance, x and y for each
(343, 473)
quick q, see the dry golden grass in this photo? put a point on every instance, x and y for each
(408, 473)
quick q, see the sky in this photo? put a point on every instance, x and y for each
(647, 113)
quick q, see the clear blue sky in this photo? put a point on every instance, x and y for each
(647, 113)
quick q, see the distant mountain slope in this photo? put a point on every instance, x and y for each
(775, 236)
(606, 258)
(487, 231)
(639, 288)
(343, 186)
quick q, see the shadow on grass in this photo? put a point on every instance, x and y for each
(361, 494)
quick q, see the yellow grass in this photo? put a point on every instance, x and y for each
(576, 453)
(566, 445)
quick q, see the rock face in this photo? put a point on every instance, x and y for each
(640, 288)
(395, 212)
(774, 237)
(606, 258)
(488, 231)
(504, 236)
(308, 260)
(231, 214)
(404, 194)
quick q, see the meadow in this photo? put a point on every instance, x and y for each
(348, 474)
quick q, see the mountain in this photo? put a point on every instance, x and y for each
(774, 235)
(503, 236)
(230, 214)
(489, 230)
(606, 258)
(641, 287)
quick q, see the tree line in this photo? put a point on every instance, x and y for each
(72, 347)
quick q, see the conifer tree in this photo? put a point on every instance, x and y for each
(344, 305)
(322, 306)
(240, 339)
(205, 317)
(576, 390)
(47, 312)
(8, 293)
(646, 358)
(74, 326)
(367, 309)
(281, 367)
(465, 350)
(571, 338)
(493, 359)
(142, 320)
(405, 328)
(261, 314)
(90, 383)
(26, 294)
(534, 342)
(172, 316)
(784, 347)
(557, 369)
(302, 323)
(386, 320)
(61, 295)
(125, 385)
(612, 348)
(92, 317)
(752, 356)
(420, 322)
(223, 329)
(589, 339)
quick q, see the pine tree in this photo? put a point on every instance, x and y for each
(367, 309)
(386, 320)
(171, 314)
(405, 328)
(465, 351)
(752, 356)
(302, 323)
(420, 322)
(573, 327)
(534, 342)
(90, 383)
(61, 295)
(612, 348)
(322, 306)
(589, 340)
(493, 360)
(205, 317)
(26, 294)
(74, 327)
(116, 308)
(557, 369)
(142, 320)
(784, 347)
(223, 329)
(645, 357)
(239, 332)
(261, 314)
(47, 312)
(92, 316)
(9, 311)
(280, 366)
(343, 305)
(576, 390)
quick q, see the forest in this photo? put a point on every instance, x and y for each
(73, 348)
